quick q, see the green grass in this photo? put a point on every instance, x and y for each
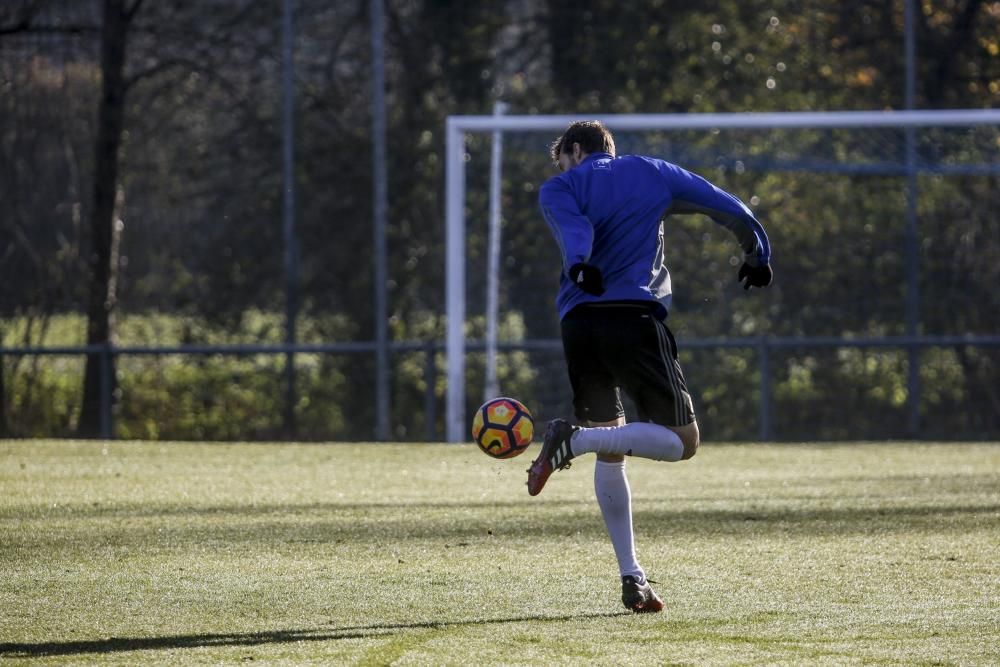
(433, 554)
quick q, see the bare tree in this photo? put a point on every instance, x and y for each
(117, 16)
(104, 231)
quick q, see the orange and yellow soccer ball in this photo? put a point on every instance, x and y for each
(503, 427)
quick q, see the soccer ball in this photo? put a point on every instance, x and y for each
(503, 427)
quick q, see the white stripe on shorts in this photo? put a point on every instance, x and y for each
(671, 367)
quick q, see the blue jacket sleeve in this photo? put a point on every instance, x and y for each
(572, 229)
(693, 194)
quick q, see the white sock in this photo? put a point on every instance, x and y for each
(615, 498)
(650, 441)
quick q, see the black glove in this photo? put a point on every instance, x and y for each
(755, 276)
(588, 278)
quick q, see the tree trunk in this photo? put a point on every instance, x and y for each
(947, 51)
(101, 302)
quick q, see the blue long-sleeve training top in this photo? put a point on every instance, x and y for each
(609, 212)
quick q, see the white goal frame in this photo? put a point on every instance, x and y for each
(458, 126)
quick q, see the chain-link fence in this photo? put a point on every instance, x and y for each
(198, 291)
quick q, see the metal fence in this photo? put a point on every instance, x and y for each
(212, 252)
(763, 347)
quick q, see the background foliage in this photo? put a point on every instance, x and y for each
(199, 194)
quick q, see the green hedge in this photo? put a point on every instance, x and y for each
(819, 394)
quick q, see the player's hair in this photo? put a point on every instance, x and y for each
(592, 136)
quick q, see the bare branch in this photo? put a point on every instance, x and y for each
(75, 29)
(159, 68)
(22, 24)
(25, 24)
(133, 10)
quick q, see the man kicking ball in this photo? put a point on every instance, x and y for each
(607, 214)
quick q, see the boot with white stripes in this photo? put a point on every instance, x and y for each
(555, 454)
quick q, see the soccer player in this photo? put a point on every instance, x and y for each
(607, 214)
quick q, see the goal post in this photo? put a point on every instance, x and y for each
(458, 127)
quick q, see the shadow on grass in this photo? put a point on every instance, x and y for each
(125, 644)
(393, 523)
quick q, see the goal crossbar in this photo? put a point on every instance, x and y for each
(457, 127)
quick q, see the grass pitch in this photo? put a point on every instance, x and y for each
(146, 553)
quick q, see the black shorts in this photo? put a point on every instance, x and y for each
(624, 346)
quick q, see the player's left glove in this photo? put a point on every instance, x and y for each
(755, 276)
(588, 278)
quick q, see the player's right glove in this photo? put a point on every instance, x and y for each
(588, 278)
(755, 276)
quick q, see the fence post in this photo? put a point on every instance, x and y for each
(430, 379)
(764, 351)
(288, 210)
(913, 391)
(107, 426)
(912, 233)
(380, 215)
